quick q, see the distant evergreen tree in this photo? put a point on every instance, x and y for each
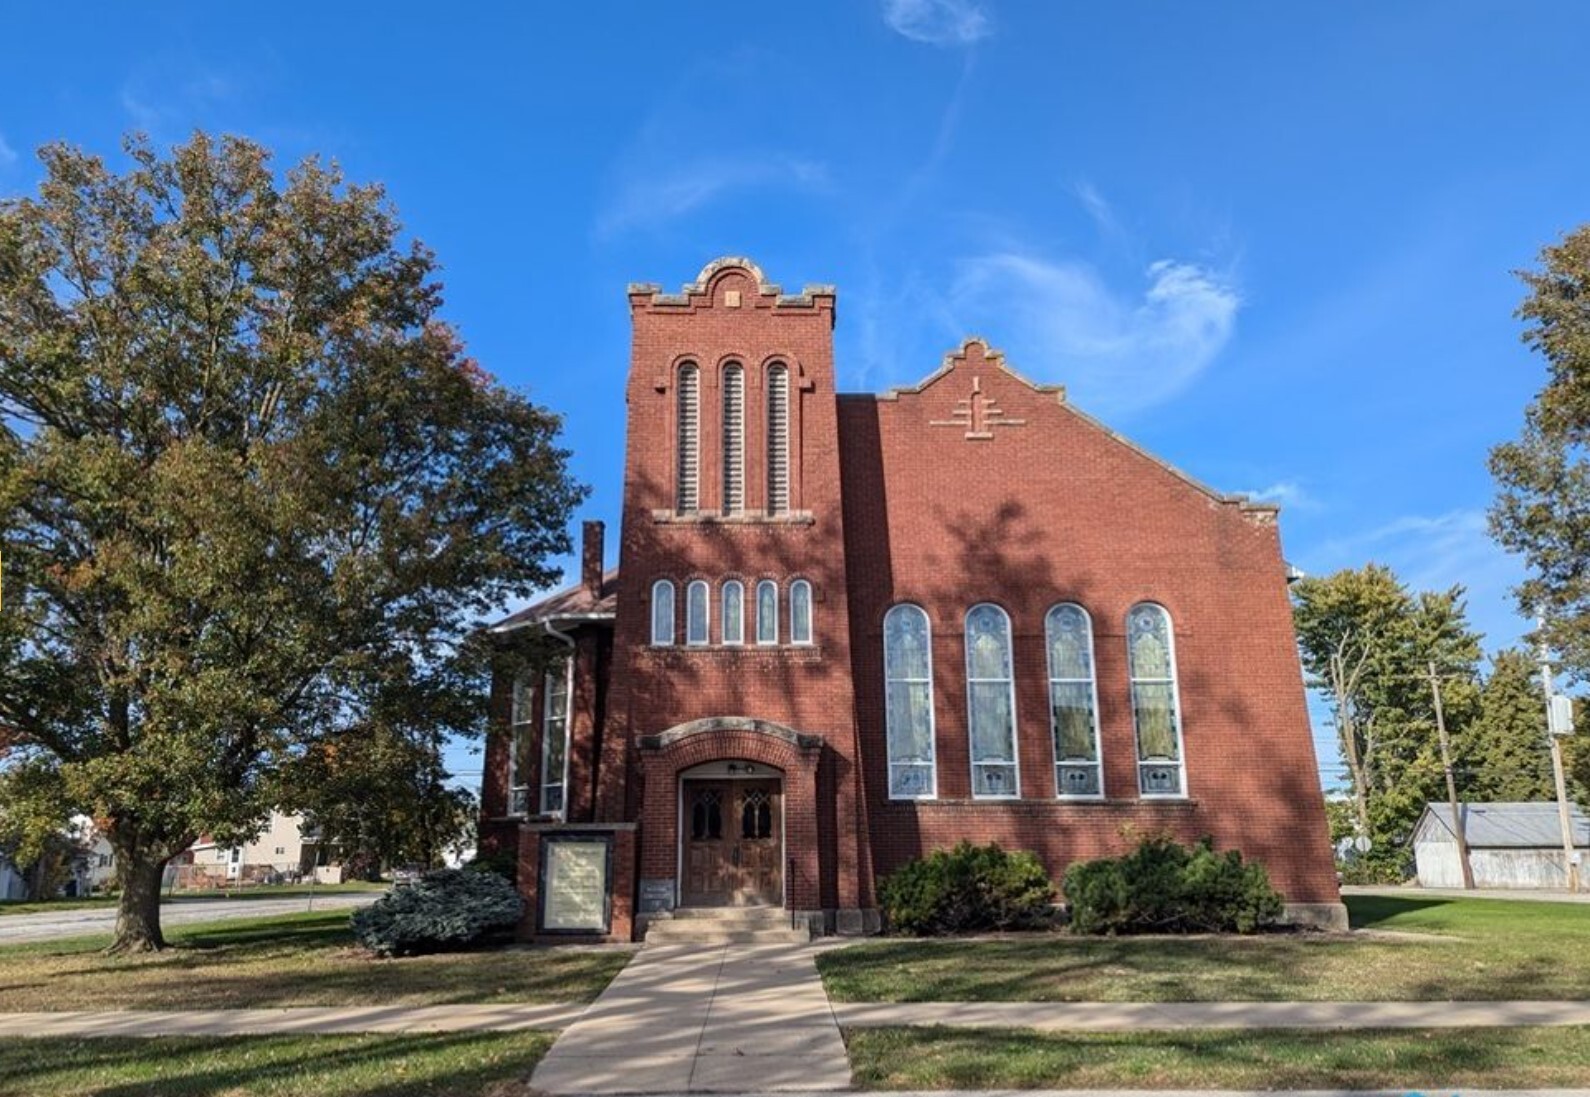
(1508, 739)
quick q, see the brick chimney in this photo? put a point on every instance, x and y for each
(591, 558)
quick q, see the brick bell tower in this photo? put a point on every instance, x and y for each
(732, 643)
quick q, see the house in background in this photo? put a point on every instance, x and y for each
(12, 886)
(848, 629)
(286, 852)
(1511, 845)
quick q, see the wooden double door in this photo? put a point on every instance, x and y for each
(733, 838)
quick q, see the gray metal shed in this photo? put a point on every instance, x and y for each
(1510, 846)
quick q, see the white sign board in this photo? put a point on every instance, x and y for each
(576, 886)
(1560, 714)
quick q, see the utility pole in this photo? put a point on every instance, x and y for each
(1570, 857)
(1451, 786)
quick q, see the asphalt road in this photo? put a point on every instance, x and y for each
(18, 929)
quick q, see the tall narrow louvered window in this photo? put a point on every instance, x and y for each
(778, 438)
(733, 439)
(689, 441)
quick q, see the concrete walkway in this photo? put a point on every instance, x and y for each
(729, 1018)
(304, 1020)
(1130, 1016)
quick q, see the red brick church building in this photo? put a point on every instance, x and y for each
(847, 629)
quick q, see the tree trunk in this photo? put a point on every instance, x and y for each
(138, 873)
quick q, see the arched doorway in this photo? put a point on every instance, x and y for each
(731, 835)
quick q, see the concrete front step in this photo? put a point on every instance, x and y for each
(684, 933)
(725, 925)
(771, 916)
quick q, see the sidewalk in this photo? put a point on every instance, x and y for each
(730, 1018)
(312, 1020)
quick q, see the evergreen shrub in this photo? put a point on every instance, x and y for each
(445, 909)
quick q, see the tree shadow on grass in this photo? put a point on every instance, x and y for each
(458, 1064)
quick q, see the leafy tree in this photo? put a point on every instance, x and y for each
(380, 796)
(1542, 507)
(1367, 643)
(1509, 734)
(36, 831)
(253, 491)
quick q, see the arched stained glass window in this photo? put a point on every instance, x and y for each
(662, 613)
(734, 612)
(991, 703)
(688, 442)
(1073, 702)
(908, 703)
(767, 612)
(800, 612)
(1151, 654)
(696, 615)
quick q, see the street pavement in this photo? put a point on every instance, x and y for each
(16, 929)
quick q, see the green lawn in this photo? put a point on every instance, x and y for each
(264, 891)
(1407, 1059)
(290, 960)
(1446, 949)
(457, 1065)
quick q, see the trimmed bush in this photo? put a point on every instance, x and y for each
(966, 889)
(1165, 887)
(448, 908)
(503, 862)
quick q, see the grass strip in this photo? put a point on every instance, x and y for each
(1444, 949)
(289, 960)
(455, 1064)
(1408, 1059)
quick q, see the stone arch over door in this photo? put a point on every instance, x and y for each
(664, 756)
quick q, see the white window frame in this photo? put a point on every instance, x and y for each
(1010, 685)
(521, 722)
(802, 586)
(761, 640)
(1093, 691)
(658, 589)
(933, 733)
(734, 637)
(1175, 700)
(562, 783)
(692, 619)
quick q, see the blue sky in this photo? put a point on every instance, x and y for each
(1271, 243)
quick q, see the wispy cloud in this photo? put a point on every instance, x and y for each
(938, 22)
(1286, 493)
(1435, 552)
(8, 155)
(1115, 351)
(1100, 210)
(646, 197)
